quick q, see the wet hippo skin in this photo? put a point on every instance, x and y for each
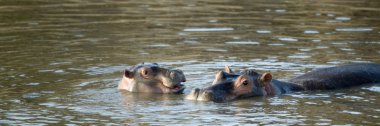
(229, 85)
(151, 78)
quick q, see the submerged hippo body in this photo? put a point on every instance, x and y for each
(150, 78)
(339, 77)
(228, 85)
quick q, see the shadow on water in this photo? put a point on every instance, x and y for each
(62, 60)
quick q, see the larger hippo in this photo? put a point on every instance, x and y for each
(228, 85)
(150, 78)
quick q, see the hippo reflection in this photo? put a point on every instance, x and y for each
(150, 78)
(249, 83)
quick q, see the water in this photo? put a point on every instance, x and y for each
(61, 60)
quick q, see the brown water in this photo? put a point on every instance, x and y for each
(61, 60)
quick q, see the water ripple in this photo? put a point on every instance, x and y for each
(288, 39)
(263, 31)
(343, 18)
(207, 29)
(373, 88)
(243, 43)
(354, 29)
(311, 32)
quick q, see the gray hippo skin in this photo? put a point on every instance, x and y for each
(150, 78)
(229, 86)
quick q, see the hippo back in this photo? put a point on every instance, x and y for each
(339, 77)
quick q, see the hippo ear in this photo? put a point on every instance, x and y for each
(266, 77)
(218, 77)
(128, 74)
(227, 69)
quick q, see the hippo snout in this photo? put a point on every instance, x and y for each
(200, 95)
(219, 92)
(206, 95)
(177, 75)
(193, 94)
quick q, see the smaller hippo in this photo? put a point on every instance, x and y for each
(227, 86)
(150, 78)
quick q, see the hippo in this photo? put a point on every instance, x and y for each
(151, 78)
(228, 86)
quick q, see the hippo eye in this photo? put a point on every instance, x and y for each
(144, 72)
(245, 82)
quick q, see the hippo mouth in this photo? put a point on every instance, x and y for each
(177, 88)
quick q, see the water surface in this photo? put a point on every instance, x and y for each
(61, 60)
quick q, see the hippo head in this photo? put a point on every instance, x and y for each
(151, 78)
(248, 84)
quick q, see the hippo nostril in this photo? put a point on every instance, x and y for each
(193, 94)
(196, 90)
(208, 93)
(205, 95)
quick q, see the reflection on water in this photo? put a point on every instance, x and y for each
(62, 60)
(207, 29)
(353, 29)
